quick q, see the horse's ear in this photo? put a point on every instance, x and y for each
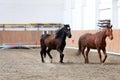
(66, 25)
(109, 26)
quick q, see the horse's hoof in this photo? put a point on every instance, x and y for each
(51, 61)
(61, 62)
(86, 62)
(102, 63)
(43, 61)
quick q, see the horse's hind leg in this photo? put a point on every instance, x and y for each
(87, 59)
(48, 52)
(41, 53)
(82, 50)
(104, 51)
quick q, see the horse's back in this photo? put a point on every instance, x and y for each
(87, 40)
(86, 37)
(43, 38)
(48, 40)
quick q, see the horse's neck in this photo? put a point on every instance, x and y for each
(62, 37)
(102, 35)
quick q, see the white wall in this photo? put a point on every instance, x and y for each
(30, 11)
(118, 13)
(105, 9)
(81, 14)
(89, 14)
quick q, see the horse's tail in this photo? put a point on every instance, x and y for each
(41, 40)
(79, 47)
(42, 43)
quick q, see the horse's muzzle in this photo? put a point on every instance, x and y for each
(111, 37)
(70, 36)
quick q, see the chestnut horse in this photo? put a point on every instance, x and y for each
(95, 41)
(56, 42)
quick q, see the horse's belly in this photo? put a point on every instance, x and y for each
(95, 47)
(52, 46)
(92, 47)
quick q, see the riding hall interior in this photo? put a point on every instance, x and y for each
(25, 23)
(72, 12)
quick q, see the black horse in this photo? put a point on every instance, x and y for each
(56, 42)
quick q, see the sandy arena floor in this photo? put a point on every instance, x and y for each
(26, 65)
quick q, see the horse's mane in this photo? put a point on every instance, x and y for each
(101, 31)
(59, 32)
(101, 34)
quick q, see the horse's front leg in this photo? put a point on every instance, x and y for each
(61, 55)
(100, 56)
(104, 51)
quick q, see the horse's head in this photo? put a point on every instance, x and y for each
(67, 30)
(109, 32)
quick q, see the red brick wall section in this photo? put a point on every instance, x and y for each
(23, 37)
(30, 37)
